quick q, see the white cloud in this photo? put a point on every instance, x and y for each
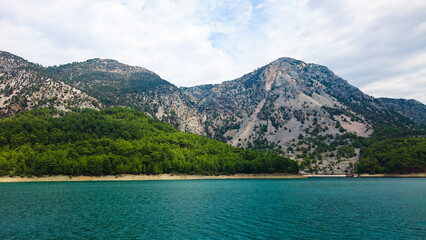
(375, 45)
(410, 85)
(167, 37)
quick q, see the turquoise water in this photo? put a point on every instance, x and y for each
(324, 208)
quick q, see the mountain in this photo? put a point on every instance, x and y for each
(297, 109)
(303, 111)
(117, 84)
(24, 85)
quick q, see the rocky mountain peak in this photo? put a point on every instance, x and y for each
(102, 65)
(280, 105)
(9, 61)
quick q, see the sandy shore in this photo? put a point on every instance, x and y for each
(410, 175)
(319, 175)
(129, 177)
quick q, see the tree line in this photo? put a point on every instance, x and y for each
(118, 141)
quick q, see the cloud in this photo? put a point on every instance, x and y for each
(377, 46)
(167, 37)
(409, 80)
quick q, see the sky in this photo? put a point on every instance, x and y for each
(378, 46)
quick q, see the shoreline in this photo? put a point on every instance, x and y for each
(325, 176)
(131, 177)
(408, 175)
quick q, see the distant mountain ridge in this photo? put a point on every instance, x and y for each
(117, 84)
(297, 109)
(25, 85)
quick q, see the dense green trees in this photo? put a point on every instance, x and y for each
(395, 155)
(118, 141)
(393, 149)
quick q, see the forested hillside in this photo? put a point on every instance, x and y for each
(394, 155)
(118, 141)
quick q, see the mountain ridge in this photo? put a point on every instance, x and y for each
(26, 85)
(301, 110)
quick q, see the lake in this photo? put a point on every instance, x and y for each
(313, 208)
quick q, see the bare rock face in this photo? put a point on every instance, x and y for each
(277, 102)
(24, 85)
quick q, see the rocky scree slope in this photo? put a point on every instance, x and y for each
(24, 85)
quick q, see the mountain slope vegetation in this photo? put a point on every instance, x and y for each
(118, 141)
(394, 155)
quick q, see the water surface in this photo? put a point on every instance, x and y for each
(326, 208)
